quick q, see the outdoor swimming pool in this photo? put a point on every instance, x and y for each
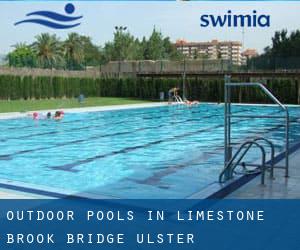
(161, 152)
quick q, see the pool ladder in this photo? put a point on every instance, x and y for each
(178, 99)
(231, 163)
(236, 161)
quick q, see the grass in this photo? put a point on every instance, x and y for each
(30, 105)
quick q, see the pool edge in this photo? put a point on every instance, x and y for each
(219, 191)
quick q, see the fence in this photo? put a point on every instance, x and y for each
(126, 68)
(131, 68)
(271, 63)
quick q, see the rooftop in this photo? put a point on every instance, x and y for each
(182, 42)
(250, 52)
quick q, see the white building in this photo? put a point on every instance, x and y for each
(226, 50)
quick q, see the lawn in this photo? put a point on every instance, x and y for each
(29, 105)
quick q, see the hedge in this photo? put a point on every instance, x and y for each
(27, 87)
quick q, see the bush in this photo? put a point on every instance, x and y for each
(43, 87)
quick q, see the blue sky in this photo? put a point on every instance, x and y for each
(174, 19)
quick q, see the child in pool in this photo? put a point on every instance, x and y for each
(58, 115)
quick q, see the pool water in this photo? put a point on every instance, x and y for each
(161, 152)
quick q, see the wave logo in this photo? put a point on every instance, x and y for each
(52, 19)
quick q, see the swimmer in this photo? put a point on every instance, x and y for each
(38, 116)
(35, 116)
(187, 102)
(58, 115)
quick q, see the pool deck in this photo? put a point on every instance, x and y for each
(279, 188)
(14, 115)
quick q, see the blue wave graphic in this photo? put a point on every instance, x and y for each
(54, 16)
(53, 19)
(48, 23)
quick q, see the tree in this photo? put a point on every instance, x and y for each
(159, 48)
(123, 47)
(284, 52)
(22, 56)
(171, 51)
(92, 53)
(78, 51)
(155, 49)
(74, 51)
(49, 51)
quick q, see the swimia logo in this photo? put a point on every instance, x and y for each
(236, 20)
(52, 19)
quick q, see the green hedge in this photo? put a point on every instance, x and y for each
(28, 87)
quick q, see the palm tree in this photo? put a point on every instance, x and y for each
(74, 51)
(48, 49)
(20, 45)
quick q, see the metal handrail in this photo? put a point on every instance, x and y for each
(272, 153)
(228, 116)
(178, 99)
(231, 165)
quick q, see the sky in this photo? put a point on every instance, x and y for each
(178, 20)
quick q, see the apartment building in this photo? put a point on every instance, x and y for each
(248, 54)
(226, 50)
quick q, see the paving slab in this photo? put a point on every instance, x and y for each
(278, 188)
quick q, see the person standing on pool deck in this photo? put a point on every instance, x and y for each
(171, 93)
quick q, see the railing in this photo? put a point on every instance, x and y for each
(228, 116)
(229, 170)
(178, 99)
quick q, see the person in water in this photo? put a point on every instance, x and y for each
(39, 116)
(187, 102)
(35, 116)
(59, 115)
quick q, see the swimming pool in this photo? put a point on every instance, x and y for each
(161, 152)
